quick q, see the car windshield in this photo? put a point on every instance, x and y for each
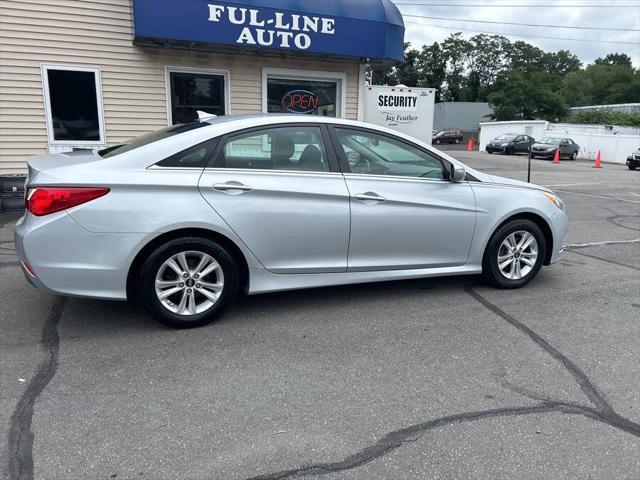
(148, 138)
(506, 136)
(551, 141)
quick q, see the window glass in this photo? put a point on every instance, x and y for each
(193, 157)
(285, 148)
(148, 138)
(374, 154)
(191, 92)
(74, 105)
(302, 96)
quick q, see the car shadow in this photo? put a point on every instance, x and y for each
(87, 317)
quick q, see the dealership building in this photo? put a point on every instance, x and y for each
(87, 74)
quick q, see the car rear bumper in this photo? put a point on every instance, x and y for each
(66, 259)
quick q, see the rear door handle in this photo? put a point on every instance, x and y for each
(231, 187)
(369, 197)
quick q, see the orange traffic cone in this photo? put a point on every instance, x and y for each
(598, 163)
(470, 145)
(556, 158)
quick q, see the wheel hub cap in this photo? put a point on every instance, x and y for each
(176, 279)
(517, 255)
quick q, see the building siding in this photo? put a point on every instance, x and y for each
(100, 33)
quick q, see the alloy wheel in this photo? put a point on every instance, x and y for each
(517, 255)
(189, 283)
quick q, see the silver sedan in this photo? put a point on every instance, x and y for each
(183, 218)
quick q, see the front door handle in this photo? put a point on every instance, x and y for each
(369, 197)
(231, 187)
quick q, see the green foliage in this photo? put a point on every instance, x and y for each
(605, 117)
(520, 96)
(519, 80)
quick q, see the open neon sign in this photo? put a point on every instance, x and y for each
(300, 101)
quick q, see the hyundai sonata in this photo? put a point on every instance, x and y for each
(185, 217)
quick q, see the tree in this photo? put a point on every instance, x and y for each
(486, 59)
(524, 57)
(621, 59)
(520, 96)
(456, 50)
(432, 65)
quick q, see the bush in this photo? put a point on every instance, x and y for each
(602, 116)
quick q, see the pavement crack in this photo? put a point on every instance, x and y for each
(397, 438)
(602, 411)
(20, 439)
(612, 262)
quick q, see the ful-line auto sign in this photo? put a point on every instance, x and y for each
(280, 29)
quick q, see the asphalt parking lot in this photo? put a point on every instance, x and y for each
(438, 379)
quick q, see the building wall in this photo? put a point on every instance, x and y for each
(100, 33)
(613, 148)
(465, 116)
(490, 130)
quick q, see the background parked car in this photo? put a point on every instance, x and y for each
(510, 143)
(448, 136)
(546, 148)
(633, 160)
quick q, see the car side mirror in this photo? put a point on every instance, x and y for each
(457, 173)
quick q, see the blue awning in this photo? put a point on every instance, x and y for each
(366, 29)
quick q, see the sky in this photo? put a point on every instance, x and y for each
(613, 14)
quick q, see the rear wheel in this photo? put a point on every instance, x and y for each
(514, 254)
(438, 141)
(188, 282)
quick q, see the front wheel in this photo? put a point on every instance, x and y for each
(438, 142)
(631, 167)
(514, 254)
(188, 282)
(574, 155)
(509, 151)
(457, 140)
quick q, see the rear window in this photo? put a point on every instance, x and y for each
(150, 138)
(506, 136)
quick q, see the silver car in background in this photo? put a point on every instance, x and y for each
(183, 218)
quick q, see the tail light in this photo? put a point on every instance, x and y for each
(46, 200)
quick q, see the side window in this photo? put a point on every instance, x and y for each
(193, 157)
(374, 154)
(519, 138)
(282, 148)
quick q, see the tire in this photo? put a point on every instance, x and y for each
(212, 303)
(457, 140)
(631, 168)
(438, 141)
(490, 269)
(509, 151)
(574, 155)
(532, 156)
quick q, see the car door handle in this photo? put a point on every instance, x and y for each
(231, 186)
(369, 197)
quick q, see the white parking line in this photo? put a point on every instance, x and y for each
(598, 196)
(569, 246)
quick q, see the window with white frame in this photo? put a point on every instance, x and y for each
(73, 99)
(304, 92)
